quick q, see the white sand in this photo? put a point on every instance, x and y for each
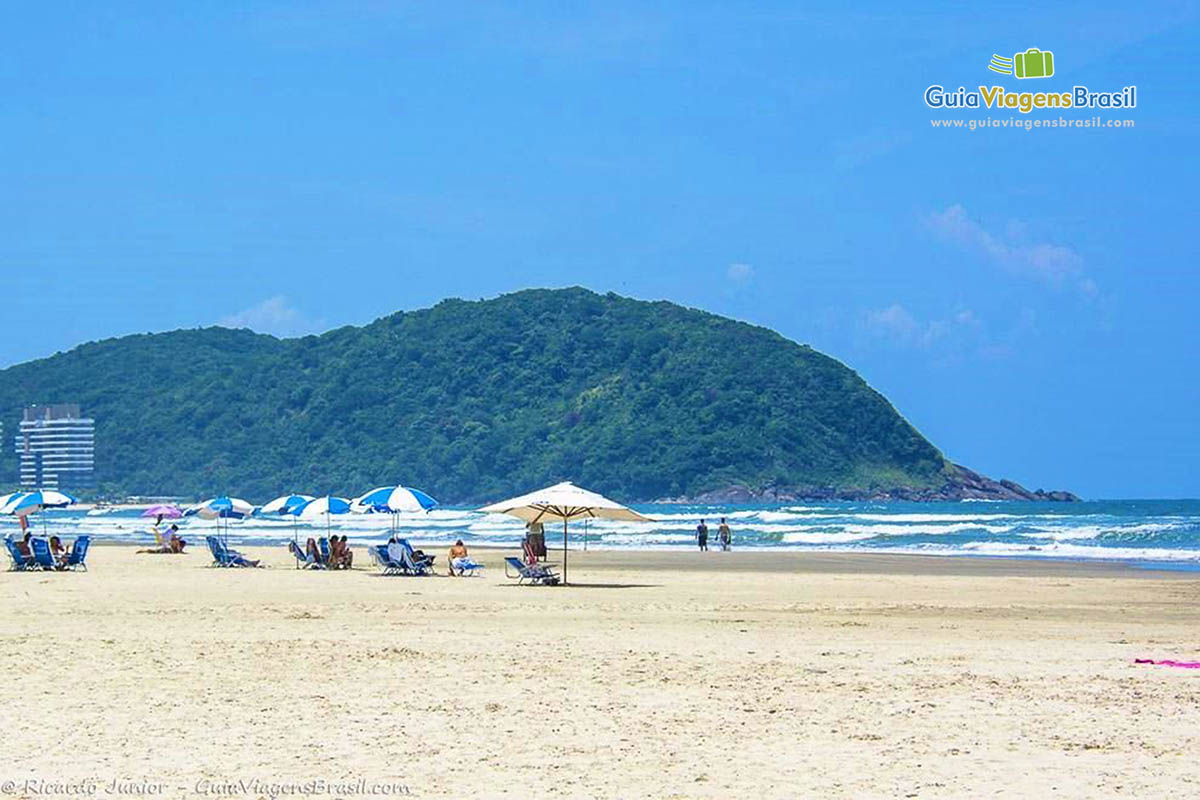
(670, 675)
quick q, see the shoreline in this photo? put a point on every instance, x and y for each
(765, 560)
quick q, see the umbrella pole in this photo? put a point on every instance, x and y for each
(564, 551)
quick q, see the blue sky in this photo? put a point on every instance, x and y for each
(1027, 298)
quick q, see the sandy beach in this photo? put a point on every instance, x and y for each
(665, 675)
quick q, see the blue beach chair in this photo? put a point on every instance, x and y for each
(414, 565)
(223, 556)
(465, 566)
(405, 561)
(79, 549)
(379, 554)
(20, 561)
(214, 547)
(326, 553)
(42, 557)
(540, 575)
(306, 561)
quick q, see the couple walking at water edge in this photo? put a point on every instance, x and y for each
(724, 536)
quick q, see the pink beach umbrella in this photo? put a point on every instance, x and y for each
(163, 512)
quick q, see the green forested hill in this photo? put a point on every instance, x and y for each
(474, 400)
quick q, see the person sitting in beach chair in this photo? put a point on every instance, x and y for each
(23, 546)
(307, 557)
(379, 553)
(42, 557)
(312, 553)
(347, 555)
(461, 563)
(58, 552)
(340, 555)
(20, 562)
(412, 562)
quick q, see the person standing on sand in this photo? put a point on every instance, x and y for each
(724, 535)
(702, 536)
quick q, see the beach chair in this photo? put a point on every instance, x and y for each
(539, 575)
(414, 566)
(42, 557)
(223, 556)
(411, 563)
(379, 554)
(20, 561)
(326, 553)
(465, 566)
(214, 547)
(306, 561)
(79, 549)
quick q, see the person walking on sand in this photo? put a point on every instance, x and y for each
(724, 535)
(702, 536)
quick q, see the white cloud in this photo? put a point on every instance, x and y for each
(901, 327)
(274, 316)
(740, 273)
(1053, 263)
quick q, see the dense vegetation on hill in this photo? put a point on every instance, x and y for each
(477, 400)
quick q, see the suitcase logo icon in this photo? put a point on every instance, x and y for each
(1033, 63)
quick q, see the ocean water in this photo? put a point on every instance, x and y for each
(1149, 531)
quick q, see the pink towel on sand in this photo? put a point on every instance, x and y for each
(1169, 663)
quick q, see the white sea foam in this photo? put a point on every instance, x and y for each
(1098, 533)
(1057, 550)
(839, 537)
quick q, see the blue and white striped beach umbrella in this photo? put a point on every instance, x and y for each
(223, 507)
(8, 498)
(32, 502)
(285, 504)
(326, 507)
(321, 507)
(394, 500)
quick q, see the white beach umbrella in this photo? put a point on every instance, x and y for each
(564, 501)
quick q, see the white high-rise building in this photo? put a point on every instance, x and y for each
(57, 448)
